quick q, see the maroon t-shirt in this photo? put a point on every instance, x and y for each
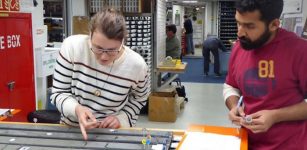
(271, 77)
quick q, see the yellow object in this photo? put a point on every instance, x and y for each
(178, 62)
(144, 141)
(39, 104)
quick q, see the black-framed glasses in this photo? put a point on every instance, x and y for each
(109, 52)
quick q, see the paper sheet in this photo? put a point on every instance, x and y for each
(210, 141)
(3, 111)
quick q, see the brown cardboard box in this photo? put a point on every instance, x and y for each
(162, 106)
(80, 25)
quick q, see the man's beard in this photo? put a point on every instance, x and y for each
(249, 45)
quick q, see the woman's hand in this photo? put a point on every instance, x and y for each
(86, 119)
(109, 122)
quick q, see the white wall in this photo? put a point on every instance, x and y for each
(199, 28)
(79, 8)
(159, 41)
(203, 14)
(39, 42)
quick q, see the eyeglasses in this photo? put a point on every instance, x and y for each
(109, 52)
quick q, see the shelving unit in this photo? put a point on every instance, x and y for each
(131, 6)
(227, 26)
(55, 29)
(139, 35)
(198, 33)
(53, 18)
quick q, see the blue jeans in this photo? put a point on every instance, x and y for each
(206, 54)
(190, 44)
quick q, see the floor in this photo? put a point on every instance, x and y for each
(197, 53)
(205, 106)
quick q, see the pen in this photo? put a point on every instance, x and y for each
(238, 105)
(247, 118)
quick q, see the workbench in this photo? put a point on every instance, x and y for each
(29, 136)
(35, 136)
(172, 71)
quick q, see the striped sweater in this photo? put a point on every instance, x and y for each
(123, 84)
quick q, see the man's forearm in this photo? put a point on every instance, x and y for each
(292, 113)
(231, 95)
(232, 101)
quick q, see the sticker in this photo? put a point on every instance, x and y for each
(12, 140)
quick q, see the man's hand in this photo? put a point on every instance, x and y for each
(86, 120)
(110, 122)
(262, 121)
(235, 115)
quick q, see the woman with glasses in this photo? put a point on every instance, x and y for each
(98, 81)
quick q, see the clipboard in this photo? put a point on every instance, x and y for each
(217, 130)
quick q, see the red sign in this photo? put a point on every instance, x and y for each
(9, 5)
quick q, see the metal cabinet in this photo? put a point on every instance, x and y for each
(16, 62)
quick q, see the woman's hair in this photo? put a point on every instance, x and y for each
(269, 9)
(109, 22)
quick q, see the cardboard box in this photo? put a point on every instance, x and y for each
(162, 106)
(80, 25)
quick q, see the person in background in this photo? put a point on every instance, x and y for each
(189, 34)
(268, 68)
(172, 42)
(98, 81)
(212, 44)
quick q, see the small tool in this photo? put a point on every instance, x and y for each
(248, 119)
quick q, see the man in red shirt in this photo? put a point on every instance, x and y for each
(268, 68)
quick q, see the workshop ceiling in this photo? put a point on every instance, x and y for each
(193, 2)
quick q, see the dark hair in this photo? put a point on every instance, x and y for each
(172, 28)
(109, 22)
(185, 16)
(269, 9)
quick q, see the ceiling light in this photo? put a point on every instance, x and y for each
(189, 1)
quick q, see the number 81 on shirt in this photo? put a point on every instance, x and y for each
(266, 69)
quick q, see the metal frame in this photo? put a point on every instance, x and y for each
(29, 136)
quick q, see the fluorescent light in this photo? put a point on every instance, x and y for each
(189, 1)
